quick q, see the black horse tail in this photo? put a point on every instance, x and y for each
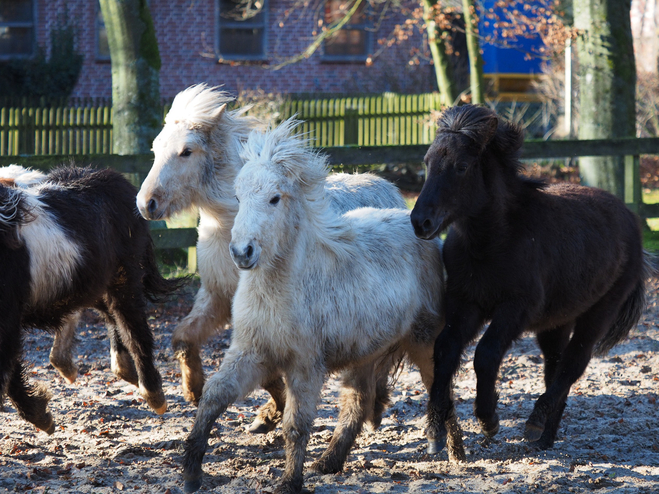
(631, 310)
(157, 288)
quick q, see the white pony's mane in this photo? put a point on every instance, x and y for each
(282, 150)
(284, 153)
(198, 106)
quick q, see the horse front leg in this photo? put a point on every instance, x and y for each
(421, 354)
(303, 388)
(463, 321)
(210, 312)
(507, 324)
(61, 354)
(30, 400)
(239, 374)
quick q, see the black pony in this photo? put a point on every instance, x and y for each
(563, 261)
(74, 241)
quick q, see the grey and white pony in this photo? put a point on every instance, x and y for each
(196, 162)
(319, 292)
(61, 354)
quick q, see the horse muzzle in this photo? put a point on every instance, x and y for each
(427, 226)
(245, 257)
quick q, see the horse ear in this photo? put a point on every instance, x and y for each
(217, 114)
(509, 137)
(490, 127)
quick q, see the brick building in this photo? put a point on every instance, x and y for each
(193, 35)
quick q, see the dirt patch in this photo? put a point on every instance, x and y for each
(108, 440)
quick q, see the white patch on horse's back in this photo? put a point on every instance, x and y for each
(54, 257)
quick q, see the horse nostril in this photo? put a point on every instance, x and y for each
(426, 226)
(152, 205)
(249, 251)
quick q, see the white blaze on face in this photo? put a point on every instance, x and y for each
(179, 157)
(53, 256)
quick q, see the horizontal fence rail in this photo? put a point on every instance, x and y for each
(358, 157)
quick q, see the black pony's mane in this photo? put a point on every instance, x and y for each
(485, 128)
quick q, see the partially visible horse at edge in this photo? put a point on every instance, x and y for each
(319, 292)
(64, 340)
(196, 162)
(73, 241)
(564, 261)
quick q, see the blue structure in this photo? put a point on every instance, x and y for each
(510, 68)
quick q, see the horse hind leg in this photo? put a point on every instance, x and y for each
(590, 327)
(128, 311)
(61, 354)
(270, 414)
(30, 400)
(381, 400)
(552, 344)
(357, 396)
(121, 362)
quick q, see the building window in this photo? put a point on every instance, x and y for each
(17, 37)
(352, 43)
(241, 29)
(102, 46)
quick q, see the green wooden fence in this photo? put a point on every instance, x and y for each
(382, 120)
(356, 157)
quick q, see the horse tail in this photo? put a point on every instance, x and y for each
(631, 310)
(157, 288)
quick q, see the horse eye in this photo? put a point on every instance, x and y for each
(186, 152)
(461, 168)
(275, 199)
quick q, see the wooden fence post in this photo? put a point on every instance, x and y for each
(633, 183)
(351, 127)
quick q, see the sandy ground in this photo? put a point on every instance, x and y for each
(108, 440)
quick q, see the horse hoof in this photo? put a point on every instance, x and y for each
(434, 446)
(48, 428)
(192, 485)
(69, 372)
(490, 429)
(533, 433)
(260, 427)
(326, 466)
(156, 400)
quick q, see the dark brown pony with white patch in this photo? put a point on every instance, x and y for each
(74, 241)
(563, 261)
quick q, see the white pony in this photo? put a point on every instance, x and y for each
(319, 292)
(196, 162)
(61, 354)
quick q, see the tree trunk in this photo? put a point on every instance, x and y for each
(441, 61)
(607, 76)
(135, 75)
(474, 50)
